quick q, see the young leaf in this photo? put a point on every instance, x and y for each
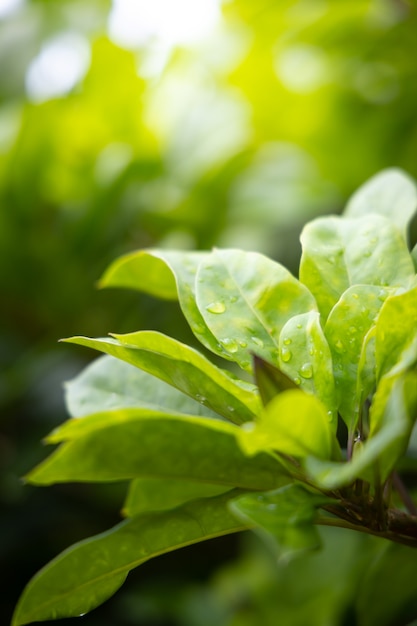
(245, 299)
(109, 383)
(305, 357)
(286, 514)
(346, 327)
(390, 193)
(88, 573)
(148, 495)
(166, 274)
(339, 253)
(294, 423)
(270, 380)
(133, 443)
(183, 368)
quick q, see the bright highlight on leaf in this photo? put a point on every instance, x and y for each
(206, 452)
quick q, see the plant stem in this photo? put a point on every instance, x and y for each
(403, 493)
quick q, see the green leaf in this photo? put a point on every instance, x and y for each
(390, 193)
(293, 423)
(340, 252)
(147, 495)
(346, 327)
(305, 357)
(396, 329)
(374, 460)
(245, 299)
(286, 514)
(165, 274)
(270, 380)
(109, 383)
(182, 367)
(133, 443)
(88, 573)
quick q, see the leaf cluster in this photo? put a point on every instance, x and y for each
(209, 452)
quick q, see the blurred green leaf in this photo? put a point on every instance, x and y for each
(270, 380)
(91, 571)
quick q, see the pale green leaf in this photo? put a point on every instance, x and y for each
(286, 514)
(396, 329)
(109, 383)
(305, 357)
(340, 252)
(132, 443)
(147, 495)
(294, 423)
(166, 274)
(390, 193)
(182, 367)
(245, 299)
(88, 573)
(374, 460)
(347, 325)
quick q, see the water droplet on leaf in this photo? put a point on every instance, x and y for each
(230, 345)
(297, 381)
(339, 346)
(286, 355)
(287, 341)
(216, 307)
(306, 370)
(243, 344)
(258, 342)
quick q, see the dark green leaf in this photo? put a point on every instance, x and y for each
(270, 380)
(91, 571)
(286, 514)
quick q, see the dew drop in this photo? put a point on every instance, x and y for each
(243, 344)
(330, 416)
(286, 355)
(216, 307)
(311, 351)
(233, 299)
(353, 330)
(367, 253)
(258, 342)
(306, 370)
(299, 326)
(230, 345)
(355, 295)
(339, 346)
(297, 381)
(200, 398)
(287, 341)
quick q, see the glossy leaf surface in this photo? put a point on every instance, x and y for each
(340, 252)
(390, 193)
(272, 511)
(130, 443)
(183, 368)
(346, 327)
(305, 357)
(89, 572)
(245, 299)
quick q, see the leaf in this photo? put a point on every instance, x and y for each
(379, 454)
(293, 423)
(286, 514)
(165, 274)
(182, 367)
(340, 252)
(390, 193)
(245, 299)
(396, 329)
(305, 357)
(147, 495)
(109, 383)
(270, 380)
(133, 443)
(88, 573)
(346, 327)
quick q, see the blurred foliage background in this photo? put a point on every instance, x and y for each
(185, 125)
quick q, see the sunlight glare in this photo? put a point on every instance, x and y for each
(136, 23)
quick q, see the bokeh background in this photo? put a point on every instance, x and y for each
(179, 124)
